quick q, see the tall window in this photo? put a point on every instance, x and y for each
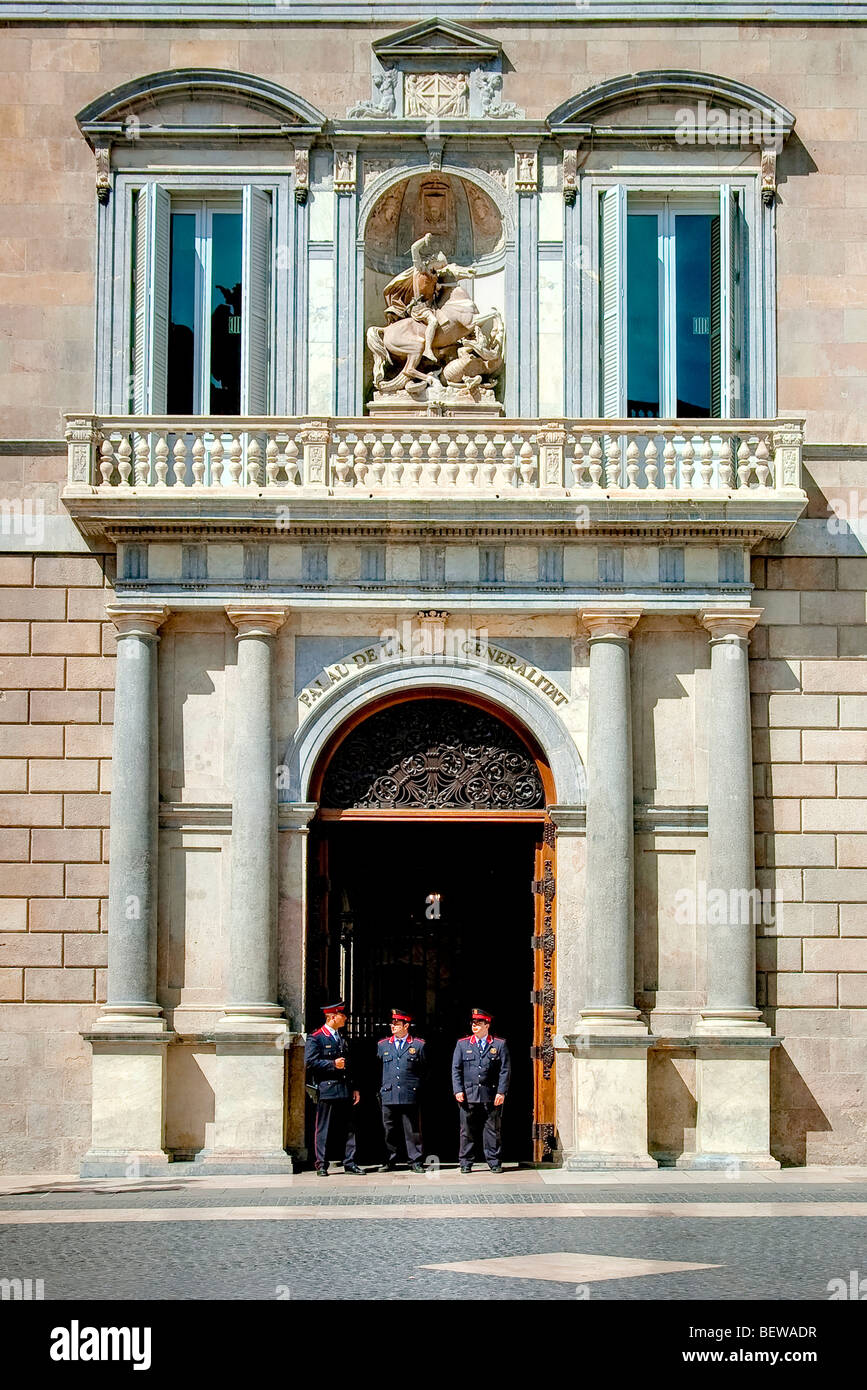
(201, 302)
(671, 305)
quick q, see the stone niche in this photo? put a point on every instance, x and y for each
(464, 222)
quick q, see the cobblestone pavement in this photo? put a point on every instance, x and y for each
(118, 1240)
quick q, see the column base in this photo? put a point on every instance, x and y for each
(606, 1162)
(610, 1097)
(733, 1098)
(249, 1086)
(124, 1165)
(725, 1162)
(128, 1111)
(253, 1164)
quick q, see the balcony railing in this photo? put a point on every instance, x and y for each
(674, 460)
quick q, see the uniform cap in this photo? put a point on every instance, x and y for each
(479, 1016)
(338, 1008)
(398, 1017)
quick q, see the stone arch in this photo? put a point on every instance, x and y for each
(663, 87)
(500, 690)
(402, 172)
(200, 84)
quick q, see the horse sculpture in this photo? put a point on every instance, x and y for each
(432, 316)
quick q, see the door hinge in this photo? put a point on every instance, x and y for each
(538, 886)
(535, 996)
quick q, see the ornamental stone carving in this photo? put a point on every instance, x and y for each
(436, 94)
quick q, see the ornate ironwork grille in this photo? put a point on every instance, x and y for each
(433, 755)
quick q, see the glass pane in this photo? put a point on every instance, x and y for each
(692, 250)
(180, 386)
(226, 313)
(642, 315)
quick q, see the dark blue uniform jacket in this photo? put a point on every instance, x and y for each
(402, 1072)
(481, 1078)
(319, 1056)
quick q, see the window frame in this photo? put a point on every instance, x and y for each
(757, 287)
(115, 327)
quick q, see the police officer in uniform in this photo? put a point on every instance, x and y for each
(481, 1071)
(326, 1058)
(404, 1068)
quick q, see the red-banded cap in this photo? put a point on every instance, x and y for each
(398, 1017)
(479, 1016)
(338, 1008)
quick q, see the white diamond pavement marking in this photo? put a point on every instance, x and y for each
(568, 1267)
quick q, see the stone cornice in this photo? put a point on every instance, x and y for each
(522, 12)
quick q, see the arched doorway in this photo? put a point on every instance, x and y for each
(432, 881)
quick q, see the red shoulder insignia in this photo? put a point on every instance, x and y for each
(382, 1040)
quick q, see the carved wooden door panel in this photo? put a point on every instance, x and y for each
(544, 986)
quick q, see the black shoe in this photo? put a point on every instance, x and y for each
(416, 1167)
(466, 1167)
(353, 1168)
(388, 1168)
(322, 1172)
(496, 1167)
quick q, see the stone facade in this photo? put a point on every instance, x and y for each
(807, 669)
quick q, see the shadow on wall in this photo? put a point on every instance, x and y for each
(190, 1097)
(795, 1113)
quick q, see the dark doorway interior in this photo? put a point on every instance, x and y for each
(376, 937)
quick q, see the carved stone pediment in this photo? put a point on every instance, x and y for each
(437, 38)
(435, 70)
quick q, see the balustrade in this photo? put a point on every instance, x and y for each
(439, 456)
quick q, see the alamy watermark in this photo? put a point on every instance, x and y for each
(714, 125)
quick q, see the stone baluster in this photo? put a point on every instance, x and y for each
(396, 465)
(142, 460)
(633, 455)
(272, 462)
(124, 460)
(254, 462)
(596, 463)
(612, 461)
(669, 462)
(179, 461)
(452, 464)
(161, 467)
(687, 462)
(198, 461)
(236, 462)
(291, 463)
(106, 461)
(343, 465)
(217, 461)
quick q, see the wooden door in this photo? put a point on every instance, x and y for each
(544, 997)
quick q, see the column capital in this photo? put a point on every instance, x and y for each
(609, 622)
(136, 619)
(256, 622)
(728, 624)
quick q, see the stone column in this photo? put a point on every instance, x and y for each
(293, 822)
(129, 1038)
(611, 1043)
(733, 1058)
(249, 1112)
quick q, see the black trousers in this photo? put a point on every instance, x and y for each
(402, 1122)
(335, 1128)
(482, 1119)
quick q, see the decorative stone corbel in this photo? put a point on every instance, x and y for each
(570, 177)
(344, 171)
(302, 175)
(103, 172)
(434, 152)
(769, 177)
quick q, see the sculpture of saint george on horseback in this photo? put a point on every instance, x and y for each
(431, 317)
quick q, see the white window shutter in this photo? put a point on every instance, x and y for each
(612, 301)
(256, 302)
(151, 300)
(731, 239)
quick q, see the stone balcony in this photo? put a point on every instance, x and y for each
(671, 477)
